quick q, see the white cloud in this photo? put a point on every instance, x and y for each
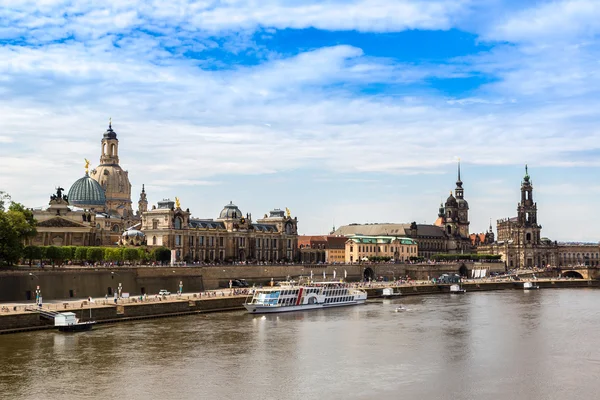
(550, 22)
(183, 124)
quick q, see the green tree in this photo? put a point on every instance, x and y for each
(33, 253)
(131, 254)
(95, 254)
(67, 253)
(16, 226)
(113, 254)
(80, 254)
(143, 255)
(161, 254)
(54, 254)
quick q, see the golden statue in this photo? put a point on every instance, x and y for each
(87, 165)
(287, 210)
(177, 203)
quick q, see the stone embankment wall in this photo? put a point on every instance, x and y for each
(65, 283)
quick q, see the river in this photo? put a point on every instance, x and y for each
(492, 345)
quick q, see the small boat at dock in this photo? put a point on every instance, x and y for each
(68, 322)
(389, 293)
(456, 289)
(530, 286)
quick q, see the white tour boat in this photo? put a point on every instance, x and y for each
(289, 297)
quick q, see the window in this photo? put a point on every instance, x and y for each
(177, 240)
(528, 237)
(191, 241)
(221, 241)
(351, 249)
(178, 223)
(154, 224)
(153, 239)
(201, 240)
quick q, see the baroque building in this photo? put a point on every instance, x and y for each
(362, 248)
(519, 240)
(97, 208)
(112, 178)
(232, 237)
(453, 218)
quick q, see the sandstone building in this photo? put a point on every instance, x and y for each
(233, 236)
(521, 245)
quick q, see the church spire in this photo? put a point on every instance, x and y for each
(459, 182)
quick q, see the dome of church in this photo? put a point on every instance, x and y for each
(451, 201)
(462, 203)
(230, 211)
(117, 188)
(133, 237)
(86, 193)
(133, 233)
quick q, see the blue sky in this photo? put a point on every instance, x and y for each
(343, 111)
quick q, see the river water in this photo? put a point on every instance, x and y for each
(494, 345)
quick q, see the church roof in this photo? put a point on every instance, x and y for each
(86, 192)
(206, 224)
(388, 229)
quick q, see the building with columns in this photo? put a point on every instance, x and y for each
(96, 210)
(232, 237)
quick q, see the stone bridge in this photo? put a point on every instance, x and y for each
(581, 272)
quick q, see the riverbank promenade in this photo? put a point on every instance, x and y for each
(18, 317)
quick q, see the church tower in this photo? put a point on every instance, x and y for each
(110, 147)
(527, 213)
(462, 220)
(143, 202)
(113, 179)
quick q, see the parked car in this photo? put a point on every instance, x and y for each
(239, 283)
(163, 292)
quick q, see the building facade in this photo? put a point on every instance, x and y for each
(233, 237)
(97, 208)
(364, 248)
(521, 245)
(326, 249)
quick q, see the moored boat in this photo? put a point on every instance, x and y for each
(457, 289)
(289, 297)
(530, 286)
(389, 293)
(68, 322)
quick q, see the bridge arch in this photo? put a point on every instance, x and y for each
(572, 274)
(368, 274)
(463, 271)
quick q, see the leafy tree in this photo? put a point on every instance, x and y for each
(80, 254)
(16, 226)
(130, 254)
(54, 254)
(95, 254)
(67, 252)
(113, 254)
(161, 254)
(33, 253)
(143, 255)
